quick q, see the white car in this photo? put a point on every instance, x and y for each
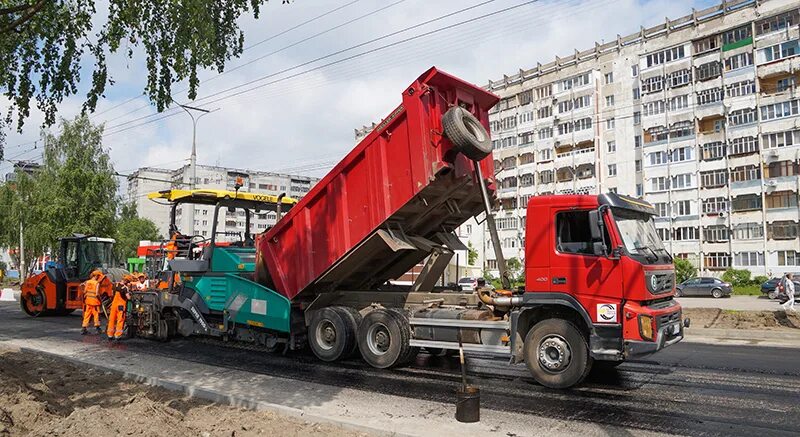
(468, 283)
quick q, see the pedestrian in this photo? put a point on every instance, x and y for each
(116, 319)
(788, 288)
(91, 302)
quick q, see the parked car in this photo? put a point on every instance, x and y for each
(468, 283)
(770, 287)
(704, 287)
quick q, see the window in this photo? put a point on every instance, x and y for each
(715, 205)
(508, 122)
(748, 231)
(526, 117)
(639, 190)
(612, 169)
(745, 173)
(781, 199)
(780, 51)
(634, 70)
(714, 178)
(545, 133)
(543, 92)
(709, 96)
(637, 93)
(748, 259)
(660, 183)
(742, 117)
(716, 234)
(685, 233)
(679, 78)
(779, 110)
(652, 84)
(788, 258)
(545, 155)
(656, 158)
(665, 56)
(654, 108)
(609, 78)
(743, 146)
(741, 60)
(504, 223)
(510, 162)
(743, 88)
(782, 230)
(781, 169)
(717, 261)
(682, 208)
(610, 123)
(785, 84)
(656, 134)
(679, 102)
(508, 142)
(662, 209)
(681, 129)
(574, 82)
(526, 138)
(637, 141)
(682, 154)
(525, 97)
(681, 181)
(637, 118)
(544, 112)
(709, 70)
(777, 22)
(736, 35)
(526, 180)
(706, 44)
(663, 234)
(781, 139)
(566, 128)
(638, 164)
(573, 235)
(610, 100)
(713, 151)
(747, 202)
(523, 203)
(546, 176)
(611, 146)
(526, 158)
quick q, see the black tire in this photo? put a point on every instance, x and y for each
(559, 340)
(772, 295)
(383, 338)
(331, 334)
(29, 310)
(678, 292)
(716, 293)
(466, 133)
(353, 319)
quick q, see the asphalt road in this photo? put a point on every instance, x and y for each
(688, 389)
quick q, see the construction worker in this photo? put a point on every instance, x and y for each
(142, 282)
(91, 301)
(116, 318)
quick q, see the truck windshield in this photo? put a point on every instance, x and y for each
(639, 236)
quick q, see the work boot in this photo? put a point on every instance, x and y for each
(97, 329)
(115, 340)
(109, 338)
(84, 331)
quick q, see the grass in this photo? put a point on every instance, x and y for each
(747, 290)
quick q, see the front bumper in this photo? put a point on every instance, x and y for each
(667, 335)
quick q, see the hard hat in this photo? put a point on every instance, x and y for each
(96, 273)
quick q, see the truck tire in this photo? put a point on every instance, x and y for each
(466, 133)
(34, 309)
(383, 338)
(353, 319)
(411, 351)
(556, 354)
(331, 334)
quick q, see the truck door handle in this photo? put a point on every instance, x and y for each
(559, 281)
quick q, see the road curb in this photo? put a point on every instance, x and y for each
(223, 399)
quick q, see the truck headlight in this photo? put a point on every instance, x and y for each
(646, 327)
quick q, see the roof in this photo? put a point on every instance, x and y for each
(210, 197)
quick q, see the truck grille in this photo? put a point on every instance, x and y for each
(663, 282)
(666, 319)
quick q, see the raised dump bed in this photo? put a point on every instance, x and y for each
(392, 201)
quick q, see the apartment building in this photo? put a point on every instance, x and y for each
(697, 115)
(147, 180)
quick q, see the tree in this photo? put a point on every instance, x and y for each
(44, 42)
(514, 267)
(684, 269)
(737, 277)
(472, 254)
(74, 191)
(130, 230)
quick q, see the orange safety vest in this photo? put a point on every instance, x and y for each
(91, 288)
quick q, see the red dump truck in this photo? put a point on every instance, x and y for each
(599, 283)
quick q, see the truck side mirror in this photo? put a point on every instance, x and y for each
(594, 225)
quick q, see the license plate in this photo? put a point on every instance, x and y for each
(675, 329)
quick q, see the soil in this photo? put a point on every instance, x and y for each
(46, 396)
(729, 319)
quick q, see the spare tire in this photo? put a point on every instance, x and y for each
(466, 133)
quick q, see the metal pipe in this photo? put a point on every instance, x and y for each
(498, 252)
(500, 302)
(280, 204)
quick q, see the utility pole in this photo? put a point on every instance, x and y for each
(193, 159)
(22, 266)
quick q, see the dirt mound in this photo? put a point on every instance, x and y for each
(729, 319)
(45, 396)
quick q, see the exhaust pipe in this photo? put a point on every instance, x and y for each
(280, 204)
(499, 302)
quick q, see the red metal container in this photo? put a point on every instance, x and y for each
(402, 185)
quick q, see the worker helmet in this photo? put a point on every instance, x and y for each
(96, 274)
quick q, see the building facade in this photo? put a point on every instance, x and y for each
(699, 116)
(198, 222)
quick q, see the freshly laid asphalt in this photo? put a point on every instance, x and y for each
(688, 389)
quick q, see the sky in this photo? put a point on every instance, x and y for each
(300, 115)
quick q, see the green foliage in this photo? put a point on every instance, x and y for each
(684, 269)
(44, 42)
(472, 254)
(747, 290)
(73, 192)
(758, 280)
(130, 230)
(737, 277)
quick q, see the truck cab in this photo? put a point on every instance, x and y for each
(599, 262)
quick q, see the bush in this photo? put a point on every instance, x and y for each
(684, 270)
(758, 280)
(737, 277)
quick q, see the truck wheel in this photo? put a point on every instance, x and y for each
(34, 305)
(353, 319)
(466, 133)
(383, 338)
(331, 334)
(556, 354)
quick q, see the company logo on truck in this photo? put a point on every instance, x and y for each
(607, 312)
